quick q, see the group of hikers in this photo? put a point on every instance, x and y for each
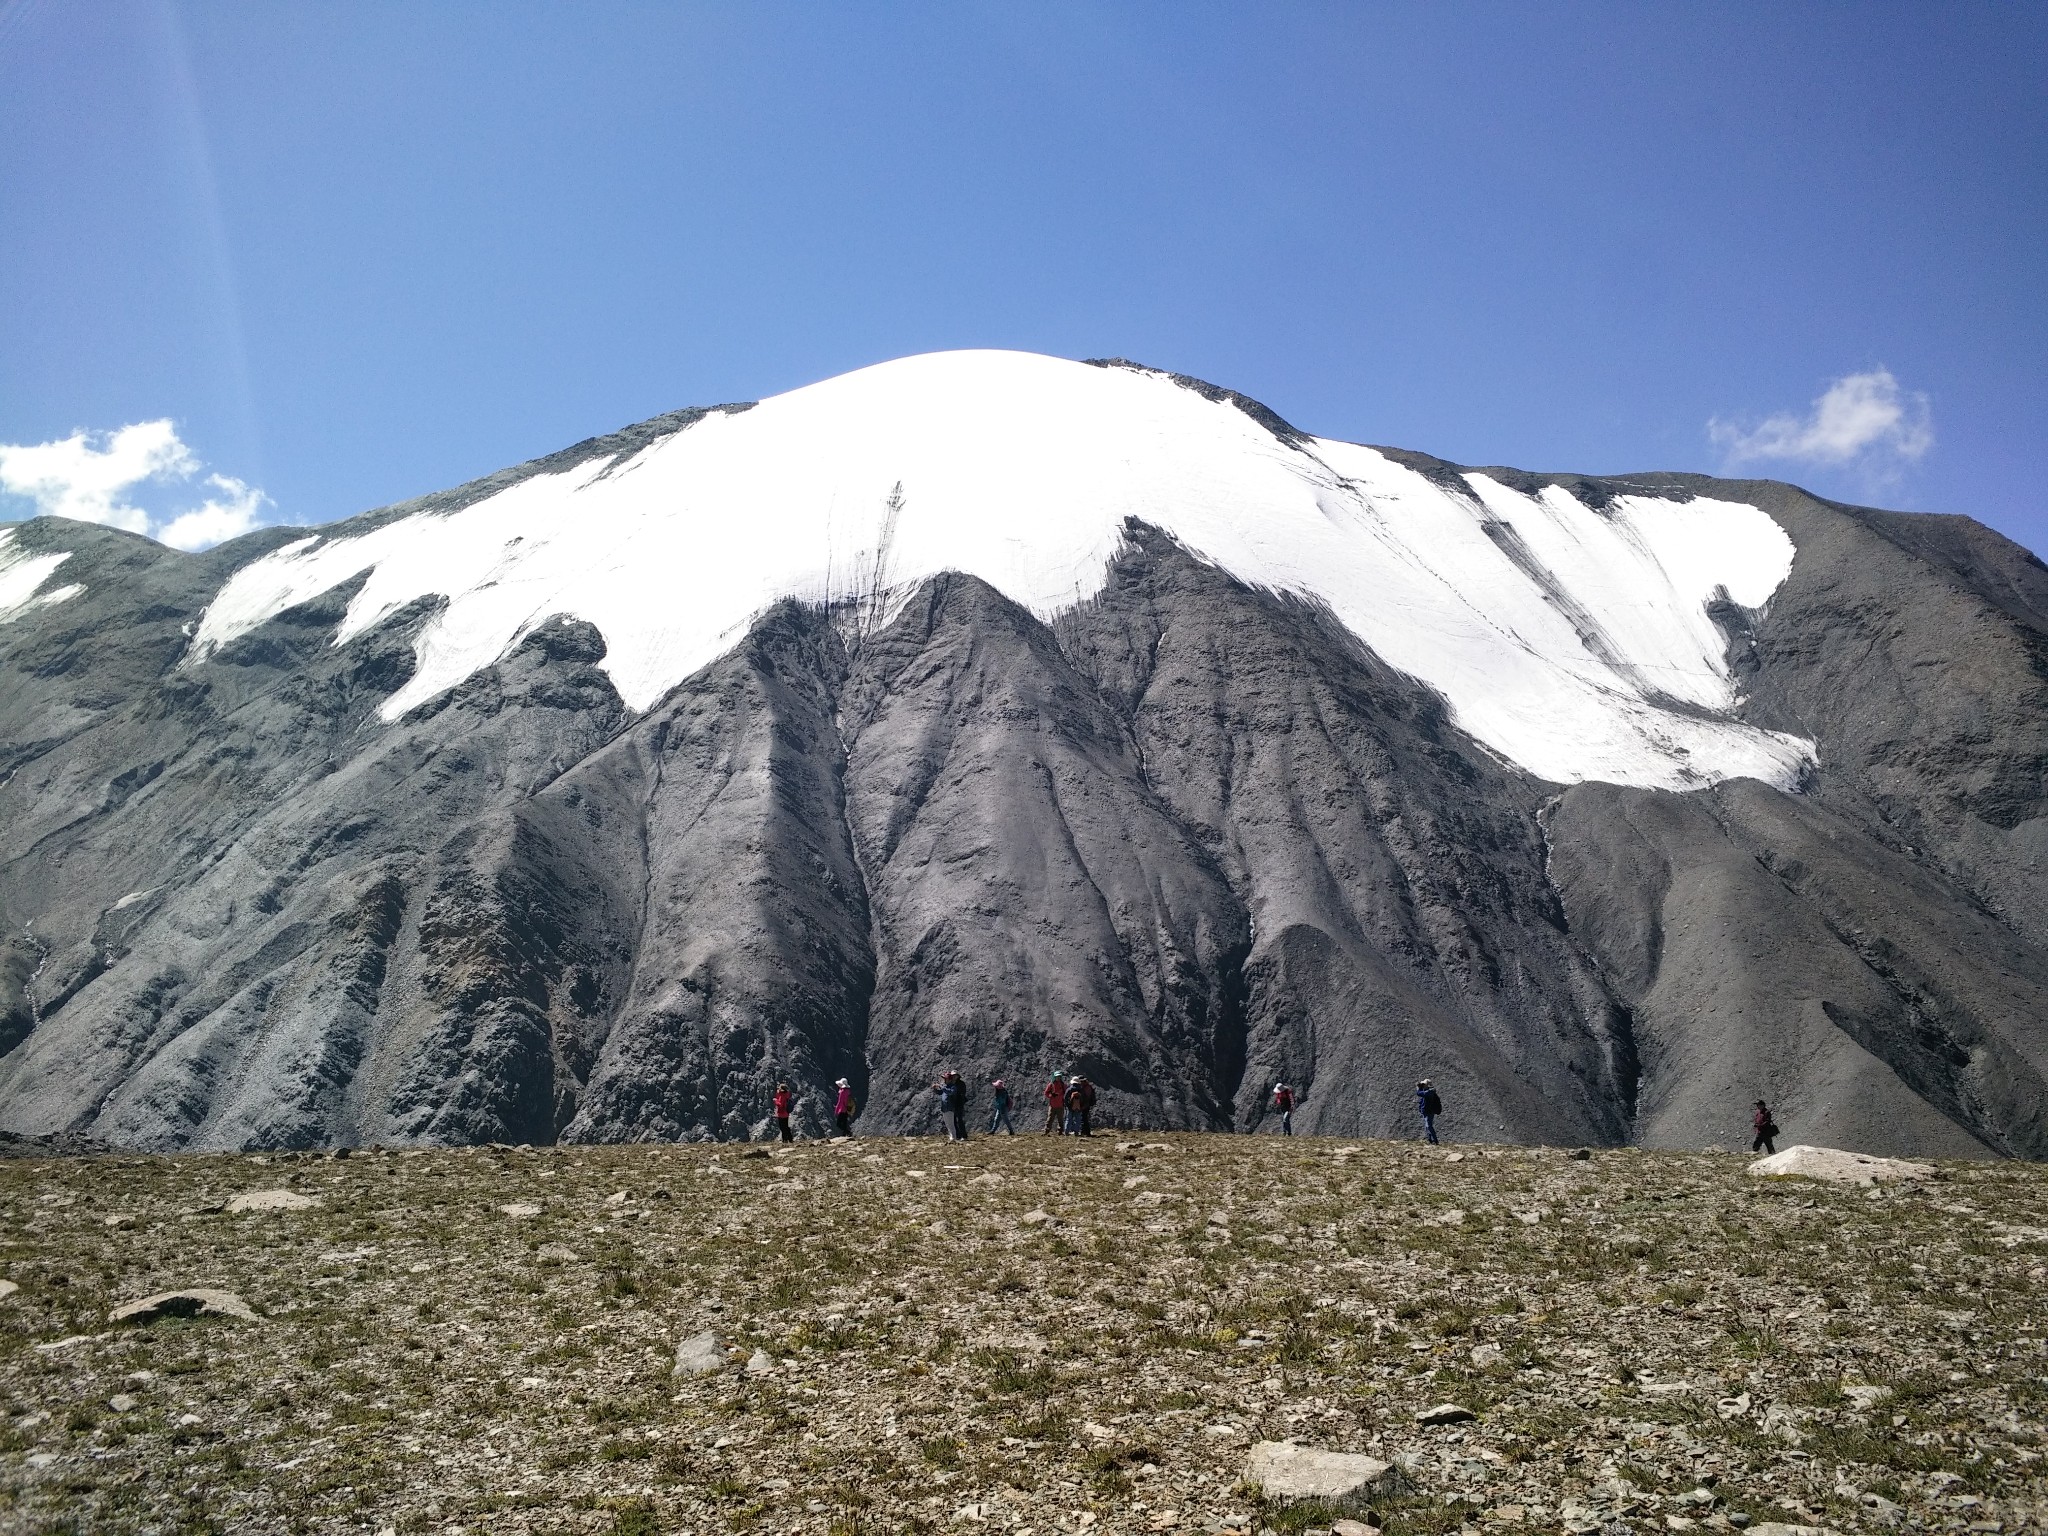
(1069, 1107)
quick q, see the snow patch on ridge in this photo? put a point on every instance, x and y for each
(1575, 642)
(21, 574)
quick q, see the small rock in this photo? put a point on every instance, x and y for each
(1455, 1157)
(1036, 1218)
(1096, 1431)
(558, 1252)
(760, 1363)
(1446, 1413)
(193, 1303)
(189, 1420)
(517, 1210)
(990, 1179)
(121, 1402)
(1286, 1471)
(618, 1196)
(1353, 1528)
(1486, 1356)
(1783, 1528)
(1580, 1154)
(7, 1288)
(700, 1355)
(271, 1200)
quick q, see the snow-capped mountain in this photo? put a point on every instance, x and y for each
(992, 710)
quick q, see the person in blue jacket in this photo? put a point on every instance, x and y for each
(999, 1119)
(1429, 1106)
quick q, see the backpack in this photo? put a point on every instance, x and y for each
(1431, 1104)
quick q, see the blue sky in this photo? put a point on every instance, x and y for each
(355, 253)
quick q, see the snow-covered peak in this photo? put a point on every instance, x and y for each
(1558, 634)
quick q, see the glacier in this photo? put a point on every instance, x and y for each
(1574, 641)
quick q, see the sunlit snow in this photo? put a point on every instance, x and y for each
(1558, 634)
(22, 574)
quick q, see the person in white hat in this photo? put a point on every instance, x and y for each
(843, 1107)
(1429, 1106)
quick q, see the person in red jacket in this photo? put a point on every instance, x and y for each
(1055, 1103)
(1766, 1129)
(1283, 1100)
(843, 1107)
(783, 1100)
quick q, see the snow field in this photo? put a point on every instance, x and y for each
(22, 575)
(1557, 633)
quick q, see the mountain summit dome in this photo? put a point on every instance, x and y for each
(1575, 640)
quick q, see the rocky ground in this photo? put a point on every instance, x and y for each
(1041, 1335)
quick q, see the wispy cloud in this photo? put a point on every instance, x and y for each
(1865, 421)
(95, 477)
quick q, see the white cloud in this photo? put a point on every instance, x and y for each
(236, 510)
(1864, 419)
(94, 477)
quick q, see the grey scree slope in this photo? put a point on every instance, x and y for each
(239, 910)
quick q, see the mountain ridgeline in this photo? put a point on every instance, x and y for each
(275, 871)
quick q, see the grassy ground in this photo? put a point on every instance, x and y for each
(1033, 1334)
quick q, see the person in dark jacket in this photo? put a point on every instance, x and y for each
(783, 1100)
(999, 1117)
(1429, 1106)
(1766, 1129)
(952, 1092)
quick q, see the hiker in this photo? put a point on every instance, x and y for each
(952, 1092)
(783, 1100)
(1766, 1129)
(843, 1107)
(1283, 1100)
(999, 1120)
(1081, 1099)
(1055, 1102)
(1429, 1106)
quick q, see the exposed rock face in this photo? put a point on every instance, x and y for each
(1189, 837)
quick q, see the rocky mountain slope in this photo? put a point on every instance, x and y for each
(1013, 714)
